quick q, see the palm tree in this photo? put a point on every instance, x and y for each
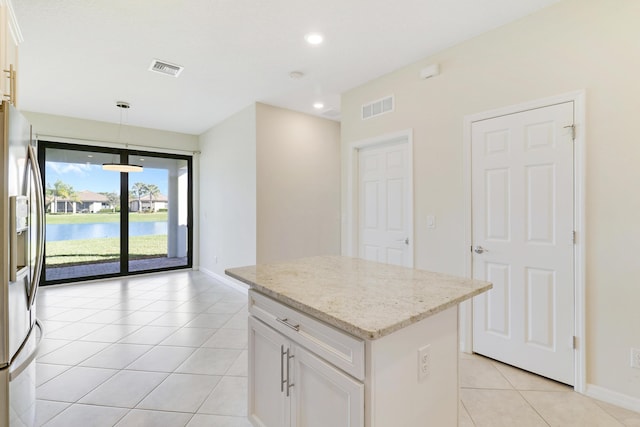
(139, 190)
(63, 191)
(152, 191)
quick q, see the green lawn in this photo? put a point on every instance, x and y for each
(87, 218)
(73, 252)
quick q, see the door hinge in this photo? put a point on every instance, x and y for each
(573, 237)
(574, 342)
(573, 131)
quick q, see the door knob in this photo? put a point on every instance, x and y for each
(479, 250)
(405, 240)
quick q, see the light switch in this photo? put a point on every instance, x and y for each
(431, 221)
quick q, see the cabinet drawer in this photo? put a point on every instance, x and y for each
(336, 347)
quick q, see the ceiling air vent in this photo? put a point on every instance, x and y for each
(164, 67)
(378, 107)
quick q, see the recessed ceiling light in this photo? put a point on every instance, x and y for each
(296, 75)
(89, 155)
(318, 105)
(314, 38)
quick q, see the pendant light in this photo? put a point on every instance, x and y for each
(121, 167)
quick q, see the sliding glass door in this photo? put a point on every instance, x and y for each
(102, 223)
(158, 213)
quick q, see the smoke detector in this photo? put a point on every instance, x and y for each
(164, 67)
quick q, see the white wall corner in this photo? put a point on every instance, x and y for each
(226, 280)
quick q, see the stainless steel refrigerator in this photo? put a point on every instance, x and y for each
(22, 237)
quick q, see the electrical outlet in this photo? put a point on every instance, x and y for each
(424, 362)
(635, 358)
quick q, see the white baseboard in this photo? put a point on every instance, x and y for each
(226, 280)
(613, 397)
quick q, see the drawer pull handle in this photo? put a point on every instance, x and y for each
(282, 380)
(289, 384)
(287, 324)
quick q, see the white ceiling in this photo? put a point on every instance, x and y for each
(81, 56)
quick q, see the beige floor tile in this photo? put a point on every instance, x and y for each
(139, 318)
(206, 320)
(173, 319)
(125, 389)
(107, 316)
(147, 418)
(478, 373)
(241, 366)
(228, 338)
(189, 337)
(73, 331)
(523, 380)
(87, 416)
(227, 306)
(46, 410)
(75, 315)
(625, 416)
(150, 335)
(162, 359)
(116, 356)
(209, 361)
(464, 420)
(238, 321)
(45, 372)
(73, 353)
(202, 420)
(569, 409)
(110, 333)
(180, 393)
(71, 385)
(228, 398)
(48, 345)
(499, 408)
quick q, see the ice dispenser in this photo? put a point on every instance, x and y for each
(19, 240)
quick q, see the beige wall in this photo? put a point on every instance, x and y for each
(95, 131)
(298, 187)
(228, 193)
(576, 44)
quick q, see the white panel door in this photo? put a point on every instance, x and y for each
(523, 210)
(322, 395)
(385, 204)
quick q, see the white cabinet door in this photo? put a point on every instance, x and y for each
(268, 405)
(322, 395)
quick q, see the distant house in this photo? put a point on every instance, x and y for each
(147, 204)
(85, 202)
(92, 202)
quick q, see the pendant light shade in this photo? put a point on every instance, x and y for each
(118, 167)
(121, 167)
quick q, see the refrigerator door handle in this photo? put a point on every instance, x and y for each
(24, 363)
(37, 271)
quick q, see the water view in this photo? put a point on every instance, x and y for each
(58, 232)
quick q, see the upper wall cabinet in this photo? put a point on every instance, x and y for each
(10, 38)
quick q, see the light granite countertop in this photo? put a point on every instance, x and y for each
(366, 299)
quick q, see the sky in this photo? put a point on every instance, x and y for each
(91, 177)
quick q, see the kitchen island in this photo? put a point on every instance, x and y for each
(339, 341)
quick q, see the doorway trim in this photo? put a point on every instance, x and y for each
(352, 226)
(466, 315)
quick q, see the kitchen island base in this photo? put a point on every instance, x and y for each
(303, 372)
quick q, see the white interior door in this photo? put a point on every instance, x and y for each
(385, 204)
(522, 231)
